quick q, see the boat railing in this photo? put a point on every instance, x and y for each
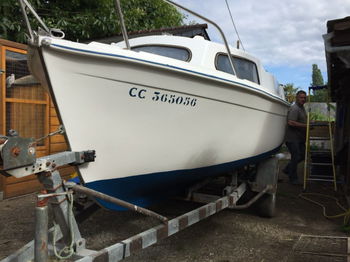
(57, 32)
(122, 24)
(210, 22)
(24, 4)
(54, 32)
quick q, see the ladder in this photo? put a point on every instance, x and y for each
(319, 163)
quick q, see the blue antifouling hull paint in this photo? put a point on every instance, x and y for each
(145, 190)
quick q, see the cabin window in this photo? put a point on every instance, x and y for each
(245, 69)
(168, 51)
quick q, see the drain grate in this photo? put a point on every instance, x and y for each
(322, 248)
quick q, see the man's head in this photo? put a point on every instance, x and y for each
(301, 97)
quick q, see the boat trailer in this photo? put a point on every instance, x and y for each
(17, 158)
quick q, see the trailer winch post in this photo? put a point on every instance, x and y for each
(52, 182)
(41, 252)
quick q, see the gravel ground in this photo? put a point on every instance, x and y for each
(226, 236)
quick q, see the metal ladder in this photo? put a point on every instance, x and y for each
(318, 161)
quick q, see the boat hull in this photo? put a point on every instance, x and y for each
(145, 190)
(156, 128)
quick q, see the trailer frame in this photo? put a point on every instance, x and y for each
(58, 193)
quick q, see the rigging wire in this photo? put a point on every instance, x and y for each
(229, 10)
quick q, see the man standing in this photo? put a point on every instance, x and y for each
(296, 136)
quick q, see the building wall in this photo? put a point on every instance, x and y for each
(342, 141)
(337, 47)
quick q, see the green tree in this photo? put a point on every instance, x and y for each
(290, 92)
(317, 80)
(86, 19)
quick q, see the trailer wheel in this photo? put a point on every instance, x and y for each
(266, 205)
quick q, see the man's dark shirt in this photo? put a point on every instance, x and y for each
(296, 134)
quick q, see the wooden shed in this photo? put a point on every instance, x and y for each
(27, 108)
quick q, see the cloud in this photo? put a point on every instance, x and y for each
(280, 33)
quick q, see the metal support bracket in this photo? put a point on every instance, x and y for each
(16, 152)
(52, 182)
(17, 163)
(51, 162)
(43, 245)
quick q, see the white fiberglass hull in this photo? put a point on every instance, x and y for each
(144, 118)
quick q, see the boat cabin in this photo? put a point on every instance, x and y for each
(211, 57)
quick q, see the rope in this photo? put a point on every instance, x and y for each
(69, 250)
(345, 214)
(239, 39)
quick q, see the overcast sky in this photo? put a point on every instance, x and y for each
(286, 35)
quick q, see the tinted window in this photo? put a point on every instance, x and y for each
(172, 52)
(245, 69)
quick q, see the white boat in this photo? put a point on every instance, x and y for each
(162, 115)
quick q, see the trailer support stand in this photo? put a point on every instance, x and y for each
(41, 251)
(53, 184)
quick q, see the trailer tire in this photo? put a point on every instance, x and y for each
(266, 205)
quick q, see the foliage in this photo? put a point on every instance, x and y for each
(320, 95)
(314, 146)
(319, 116)
(317, 80)
(8, 11)
(290, 92)
(86, 19)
